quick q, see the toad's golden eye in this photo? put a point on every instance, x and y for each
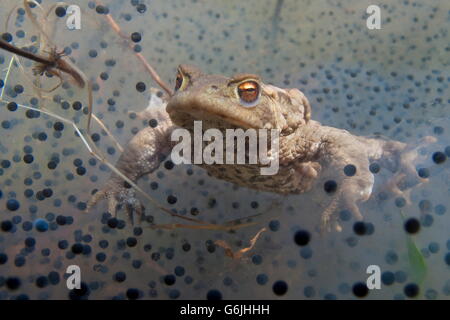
(248, 92)
(179, 81)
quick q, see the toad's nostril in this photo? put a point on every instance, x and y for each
(214, 87)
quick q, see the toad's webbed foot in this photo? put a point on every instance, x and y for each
(349, 195)
(406, 175)
(119, 194)
(328, 218)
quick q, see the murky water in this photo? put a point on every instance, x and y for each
(393, 82)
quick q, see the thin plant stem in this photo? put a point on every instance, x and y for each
(141, 58)
(7, 76)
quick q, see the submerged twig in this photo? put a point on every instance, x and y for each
(238, 254)
(34, 21)
(54, 61)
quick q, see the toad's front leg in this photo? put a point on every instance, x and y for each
(336, 159)
(350, 182)
(143, 155)
(347, 192)
(350, 157)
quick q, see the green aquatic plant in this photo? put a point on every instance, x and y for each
(416, 260)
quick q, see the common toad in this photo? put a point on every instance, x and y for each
(306, 148)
